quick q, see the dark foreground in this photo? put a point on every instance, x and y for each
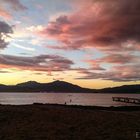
(58, 122)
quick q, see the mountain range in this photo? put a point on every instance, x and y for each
(65, 87)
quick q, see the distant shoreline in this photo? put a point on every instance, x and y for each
(65, 87)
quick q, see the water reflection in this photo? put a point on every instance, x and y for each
(63, 98)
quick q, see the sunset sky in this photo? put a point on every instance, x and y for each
(91, 43)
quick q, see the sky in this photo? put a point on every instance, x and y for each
(91, 43)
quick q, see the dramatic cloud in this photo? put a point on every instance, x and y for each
(37, 63)
(102, 24)
(115, 59)
(110, 26)
(5, 30)
(104, 33)
(15, 5)
(124, 67)
(124, 73)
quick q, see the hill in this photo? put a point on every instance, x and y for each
(122, 89)
(65, 87)
(56, 86)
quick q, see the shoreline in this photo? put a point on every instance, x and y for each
(84, 107)
(68, 122)
(118, 93)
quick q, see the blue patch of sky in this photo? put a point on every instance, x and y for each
(76, 56)
(106, 66)
(41, 16)
(13, 50)
(137, 53)
(95, 53)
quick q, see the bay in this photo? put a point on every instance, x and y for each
(86, 99)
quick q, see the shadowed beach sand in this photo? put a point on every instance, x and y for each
(60, 122)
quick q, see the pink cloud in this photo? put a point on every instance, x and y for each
(124, 67)
(5, 14)
(111, 26)
(94, 65)
(122, 73)
(15, 5)
(48, 63)
(101, 24)
(116, 59)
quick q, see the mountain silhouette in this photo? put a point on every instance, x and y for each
(65, 87)
(56, 86)
(28, 84)
(122, 89)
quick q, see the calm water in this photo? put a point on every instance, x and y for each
(61, 98)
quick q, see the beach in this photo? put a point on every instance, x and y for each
(62, 122)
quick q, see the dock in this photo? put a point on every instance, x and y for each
(126, 100)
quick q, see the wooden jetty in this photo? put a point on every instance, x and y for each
(126, 100)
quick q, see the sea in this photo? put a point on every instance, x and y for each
(85, 99)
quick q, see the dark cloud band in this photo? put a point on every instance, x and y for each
(5, 30)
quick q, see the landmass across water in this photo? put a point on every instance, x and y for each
(64, 87)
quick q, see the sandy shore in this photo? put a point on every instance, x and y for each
(59, 122)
